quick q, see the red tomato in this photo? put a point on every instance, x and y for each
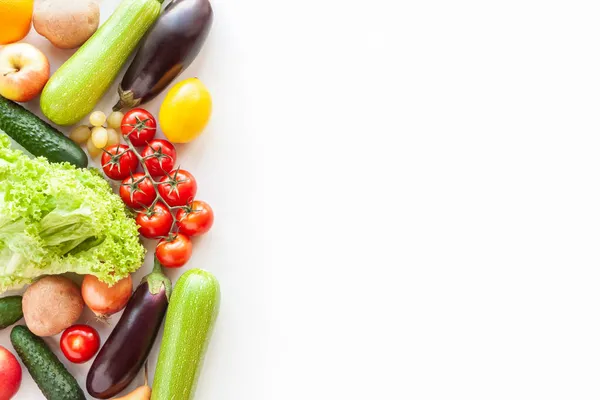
(139, 126)
(195, 219)
(118, 162)
(155, 222)
(178, 188)
(160, 157)
(79, 343)
(174, 252)
(137, 191)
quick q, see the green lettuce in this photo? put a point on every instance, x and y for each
(55, 218)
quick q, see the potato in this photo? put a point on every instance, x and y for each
(51, 305)
(66, 23)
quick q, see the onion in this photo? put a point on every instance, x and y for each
(103, 300)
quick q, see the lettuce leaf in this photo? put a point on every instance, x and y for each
(55, 218)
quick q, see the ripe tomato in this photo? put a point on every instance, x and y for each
(195, 219)
(139, 126)
(174, 252)
(79, 343)
(160, 157)
(155, 221)
(118, 162)
(137, 191)
(177, 188)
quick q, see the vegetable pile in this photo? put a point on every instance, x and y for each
(77, 86)
(162, 195)
(57, 216)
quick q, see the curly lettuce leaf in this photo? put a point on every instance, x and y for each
(55, 218)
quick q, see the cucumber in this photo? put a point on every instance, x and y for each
(11, 310)
(77, 86)
(53, 379)
(38, 137)
(191, 316)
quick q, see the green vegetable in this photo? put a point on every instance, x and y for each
(56, 218)
(53, 379)
(37, 137)
(77, 86)
(191, 316)
(11, 310)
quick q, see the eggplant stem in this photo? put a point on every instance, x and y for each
(157, 266)
(126, 100)
(146, 374)
(157, 279)
(119, 106)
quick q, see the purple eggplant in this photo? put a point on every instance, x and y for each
(169, 48)
(129, 344)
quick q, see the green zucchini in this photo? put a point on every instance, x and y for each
(77, 86)
(11, 310)
(53, 379)
(191, 316)
(38, 137)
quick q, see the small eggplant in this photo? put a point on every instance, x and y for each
(166, 51)
(129, 344)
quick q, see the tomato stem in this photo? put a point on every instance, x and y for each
(142, 160)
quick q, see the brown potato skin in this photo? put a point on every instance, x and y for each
(67, 24)
(51, 305)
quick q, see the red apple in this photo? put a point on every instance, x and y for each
(24, 71)
(10, 374)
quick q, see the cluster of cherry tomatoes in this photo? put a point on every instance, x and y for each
(162, 195)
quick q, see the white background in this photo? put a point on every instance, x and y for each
(407, 199)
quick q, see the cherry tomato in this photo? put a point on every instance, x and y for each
(195, 219)
(174, 252)
(160, 157)
(178, 188)
(118, 162)
(139, 126)
(79, 343)
(155, 221)
(137, 191)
